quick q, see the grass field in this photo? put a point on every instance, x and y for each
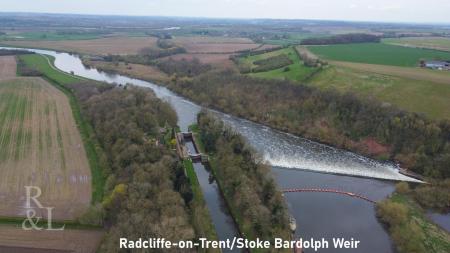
(61, 79)
(40, 145)
(378, 53)
(217, 60)
(42, 63)
(209, 44)
(438, 43)
(430, 98)
(297, 71)
(102, 46)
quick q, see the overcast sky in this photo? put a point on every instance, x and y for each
(432, 11)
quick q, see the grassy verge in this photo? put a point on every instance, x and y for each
(60, 80)
(409, 228)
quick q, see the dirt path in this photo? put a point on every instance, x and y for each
(8, 67)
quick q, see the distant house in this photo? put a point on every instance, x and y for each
(441, 65)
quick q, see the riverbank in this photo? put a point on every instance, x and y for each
(200, 215)
(368, 147)
(409, 227)
(201, 218)
(247, 202)
(321, 211)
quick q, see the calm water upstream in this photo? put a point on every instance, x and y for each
(297, 163)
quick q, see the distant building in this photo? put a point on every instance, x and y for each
(441, 65)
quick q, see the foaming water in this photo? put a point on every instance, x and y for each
(278, 148)
(289, 151)
(318, 215)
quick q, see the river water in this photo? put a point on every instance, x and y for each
(297, 163)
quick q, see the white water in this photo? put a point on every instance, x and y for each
(278, 148)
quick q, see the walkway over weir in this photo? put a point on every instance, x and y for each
(350, 194)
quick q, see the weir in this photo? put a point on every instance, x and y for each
(302, 157)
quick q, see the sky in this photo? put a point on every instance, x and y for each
(417, 11)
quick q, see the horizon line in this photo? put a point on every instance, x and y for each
(234, 18)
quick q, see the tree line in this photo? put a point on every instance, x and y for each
(342, 39)
(183, 67)
(5, 52)
(343, 120)
(146, 192)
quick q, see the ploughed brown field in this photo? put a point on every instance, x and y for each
(136, 70)
(103, 46)
(8, 67)
(218, 60)
(215, 44)
(40, 146)
(15, 239)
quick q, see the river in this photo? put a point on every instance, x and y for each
(297, 163)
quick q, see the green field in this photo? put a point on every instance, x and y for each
(378, 53)
(297, 71)
(429, 98)
(42, 63)
(438, 43)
